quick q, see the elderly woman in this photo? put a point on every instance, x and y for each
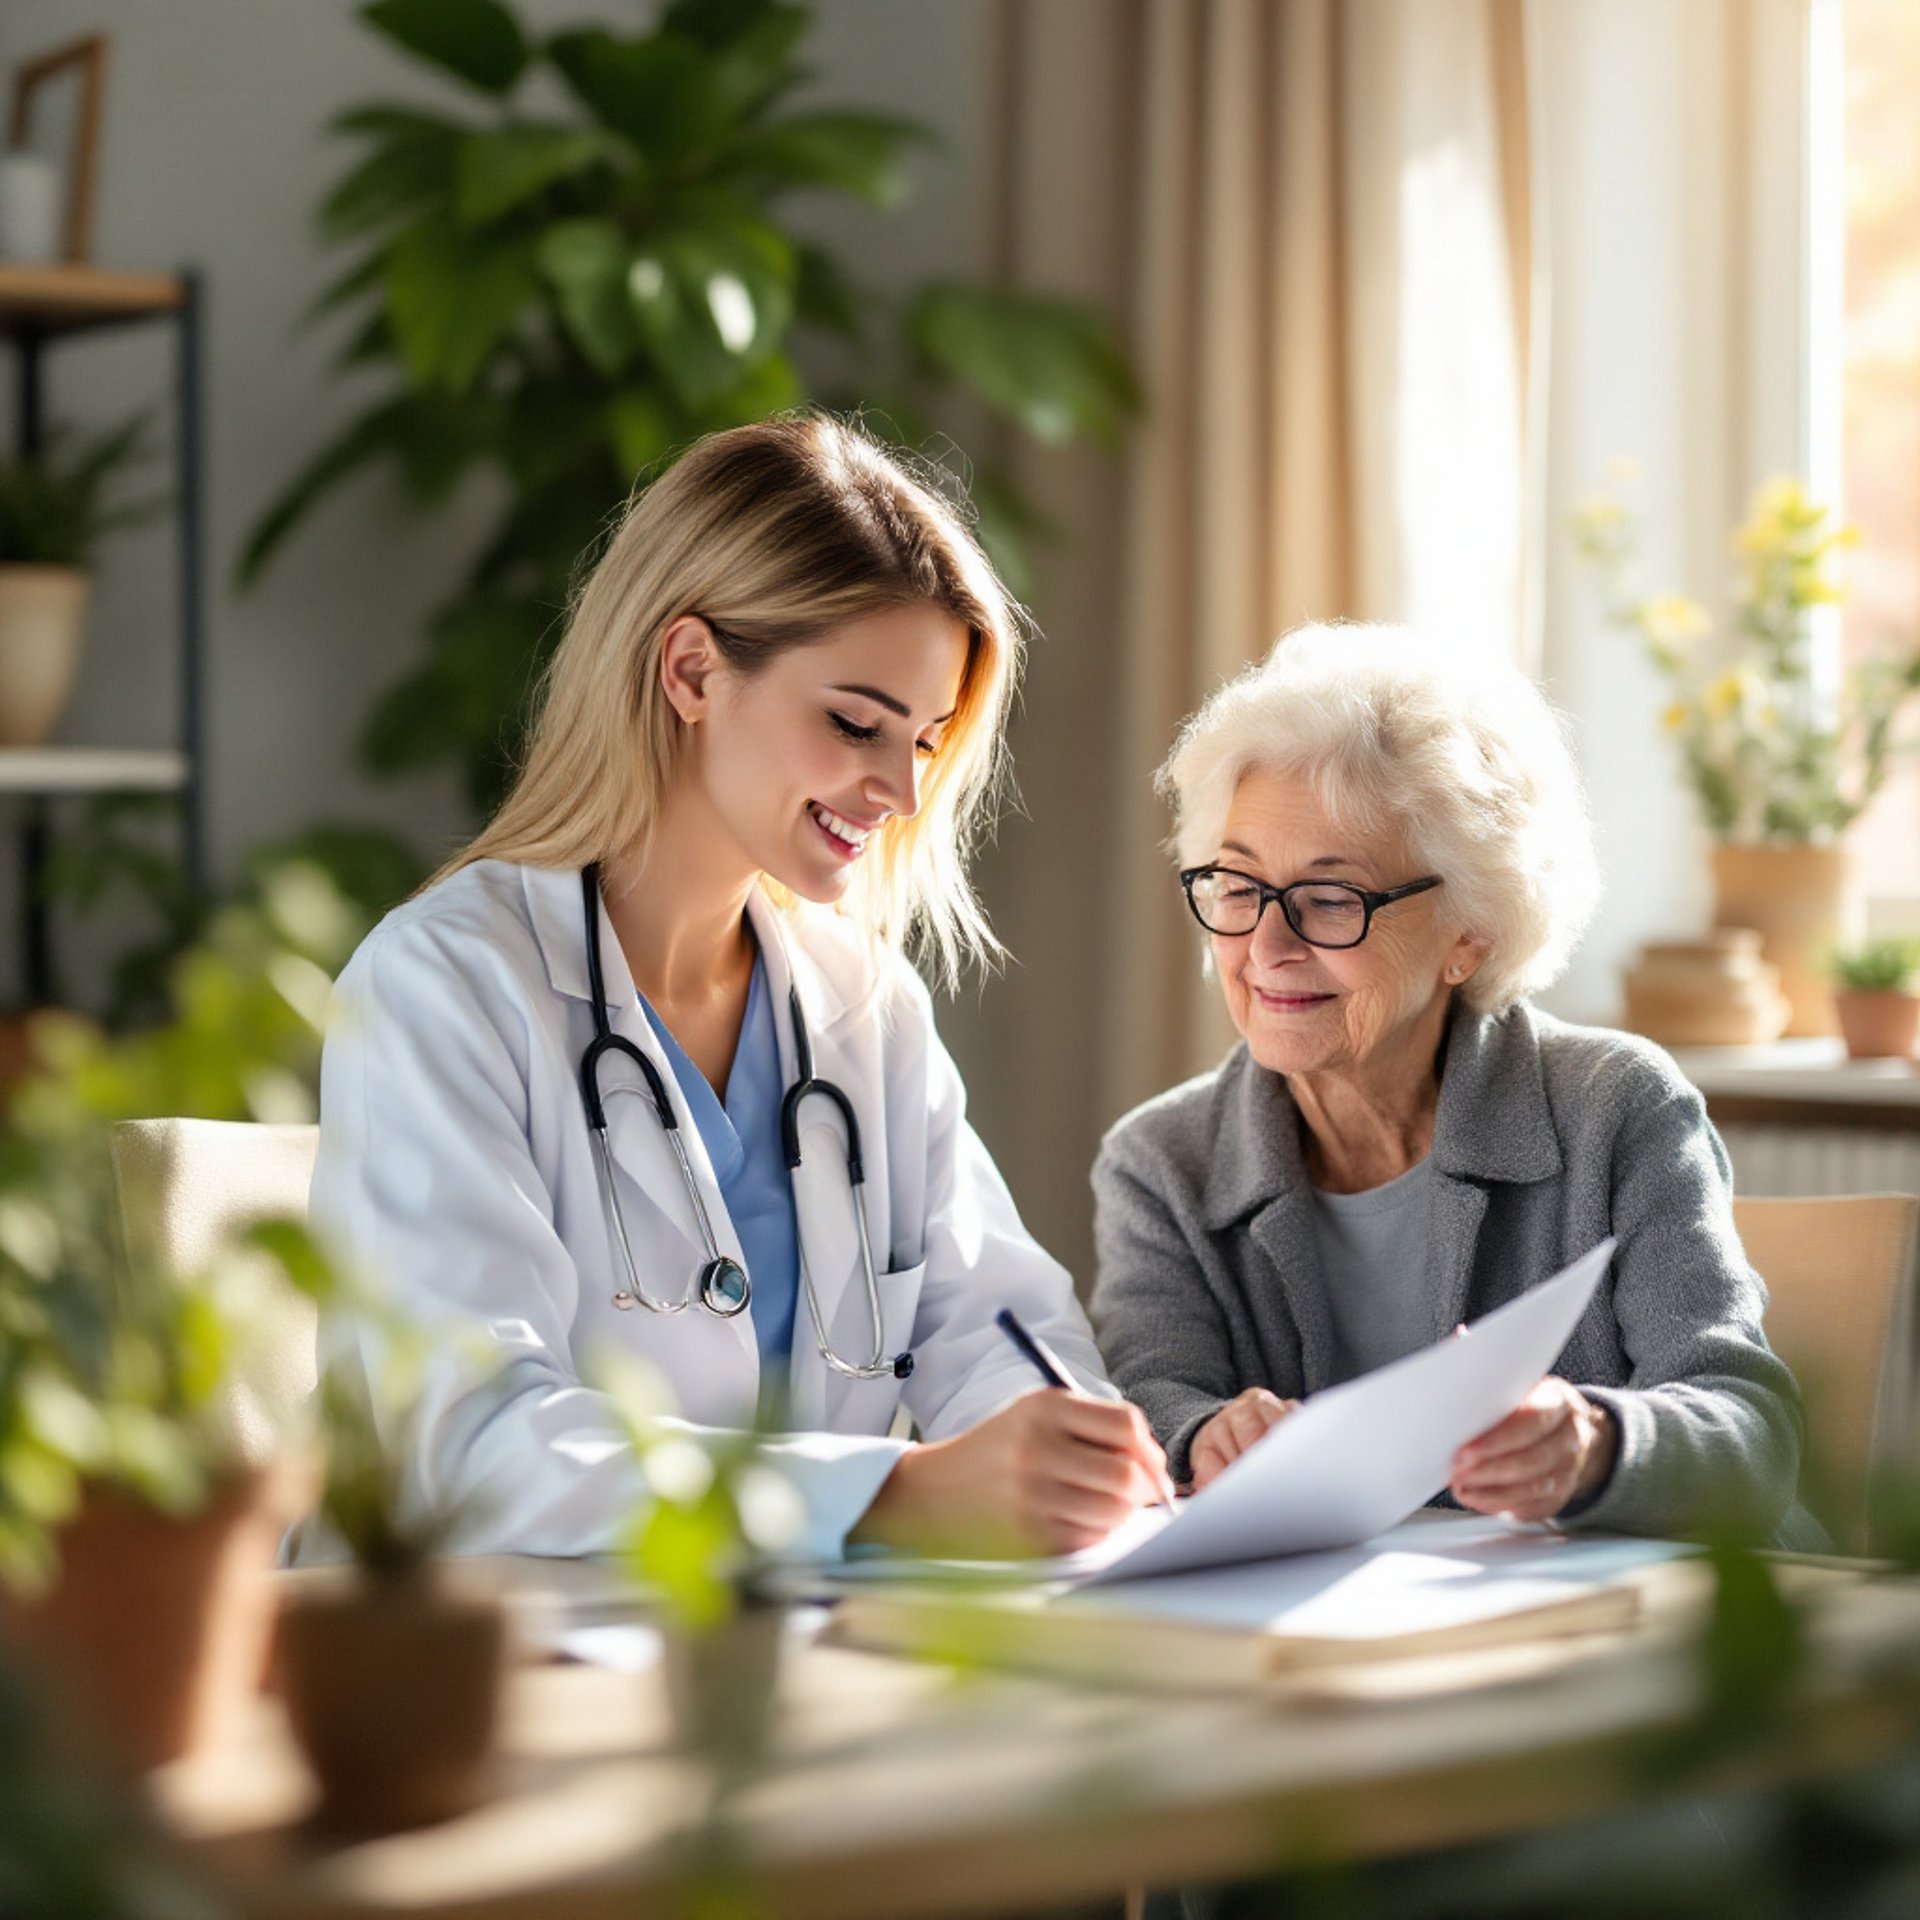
(1388, 850)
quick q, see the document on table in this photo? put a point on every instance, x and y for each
(1349, 1463)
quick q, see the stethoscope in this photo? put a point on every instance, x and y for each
(723, 1286)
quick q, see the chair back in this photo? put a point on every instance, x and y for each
(186, 1186)
(1840, 1275)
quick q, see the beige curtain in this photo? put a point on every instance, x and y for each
(1312, 217)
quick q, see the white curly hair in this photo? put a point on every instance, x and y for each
(1400, 731)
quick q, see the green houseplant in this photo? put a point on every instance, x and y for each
(127, 1484)
(1875, 998)
(702, 1545)
(53, 509)
(1779, 766)
(563, 298)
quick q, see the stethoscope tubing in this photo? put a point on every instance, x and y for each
(712, 1287)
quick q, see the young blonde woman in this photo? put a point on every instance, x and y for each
(643, 1068)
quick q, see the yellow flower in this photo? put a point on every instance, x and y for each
(1671, 619)
(1598, 513)
(1723, 695)
(1675, 717)
(1780, 510)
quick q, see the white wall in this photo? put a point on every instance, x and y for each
(214, 154)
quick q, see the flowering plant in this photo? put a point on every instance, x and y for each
(1771, 754)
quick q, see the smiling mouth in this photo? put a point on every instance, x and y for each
(1291, 1002)
(847, 839)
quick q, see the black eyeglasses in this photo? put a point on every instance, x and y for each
(1324, 913)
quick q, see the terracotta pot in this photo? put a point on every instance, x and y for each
(721, 1684)
(1878, 1026)
(155, 1630)
(1801, 901)
(394, 1695)
(43, 612)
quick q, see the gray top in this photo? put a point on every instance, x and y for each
(1547, 1138)
(1373, 1252)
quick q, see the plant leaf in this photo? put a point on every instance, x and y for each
(434, 439)
(586, 262)
(504, 167)
(824, 294)
(411, 165)
(658, 92)
(372, 868)
(364, 276)
(859, 153)
(472, 691)
(453, 296)
(751, 43)
(713, 299)
(640, 429)
(478, 41)
(1049, 364)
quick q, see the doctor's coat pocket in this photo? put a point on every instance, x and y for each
(867, 1406)
(899, 1303)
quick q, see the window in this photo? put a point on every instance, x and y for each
(1879, 391)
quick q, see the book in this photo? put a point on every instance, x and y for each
(1436, 1585)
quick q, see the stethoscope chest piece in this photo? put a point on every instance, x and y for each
(724, 1288)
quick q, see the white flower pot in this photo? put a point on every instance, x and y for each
(43, 612)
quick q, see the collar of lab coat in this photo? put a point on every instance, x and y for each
(826, 1232)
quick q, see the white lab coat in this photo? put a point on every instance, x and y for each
(456, 1171)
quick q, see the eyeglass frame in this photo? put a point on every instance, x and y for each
(1372, 899)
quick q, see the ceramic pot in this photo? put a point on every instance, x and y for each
(393, 1692)
(1878, 1026)
(155, 1629)
(1801, 901)
(43, 613)
(1716, 992)
(722, 1683)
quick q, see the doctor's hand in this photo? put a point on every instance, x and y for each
(1233, 1430)
(1555, 1446)
(1052, 1472)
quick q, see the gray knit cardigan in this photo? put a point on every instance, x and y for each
(1547, 1138)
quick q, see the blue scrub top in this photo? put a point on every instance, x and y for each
(743, 1142)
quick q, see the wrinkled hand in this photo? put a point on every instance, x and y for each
(1233, 1430)
(1553, 1447)
(1053, 1472)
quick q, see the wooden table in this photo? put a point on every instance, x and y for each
(897, 1788)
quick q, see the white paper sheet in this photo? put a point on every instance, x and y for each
(1349, 1463)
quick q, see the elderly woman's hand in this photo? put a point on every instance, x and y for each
(1555, 1446)
(1233, 1430)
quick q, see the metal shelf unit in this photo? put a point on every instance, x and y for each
(39, 306)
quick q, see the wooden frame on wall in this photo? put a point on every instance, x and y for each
(86, 58)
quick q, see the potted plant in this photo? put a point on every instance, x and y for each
(138, 1524)
(1875, 998)
(391, 1670)
(1780, 767)
(52, 511)
(588, 257)
(702, 1545)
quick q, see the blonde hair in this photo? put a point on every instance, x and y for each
(1394, 729)
(775, 533)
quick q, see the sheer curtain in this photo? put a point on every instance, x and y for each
(1315, 220)
(1334, 301)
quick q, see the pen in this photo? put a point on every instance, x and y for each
(1055, 1375)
